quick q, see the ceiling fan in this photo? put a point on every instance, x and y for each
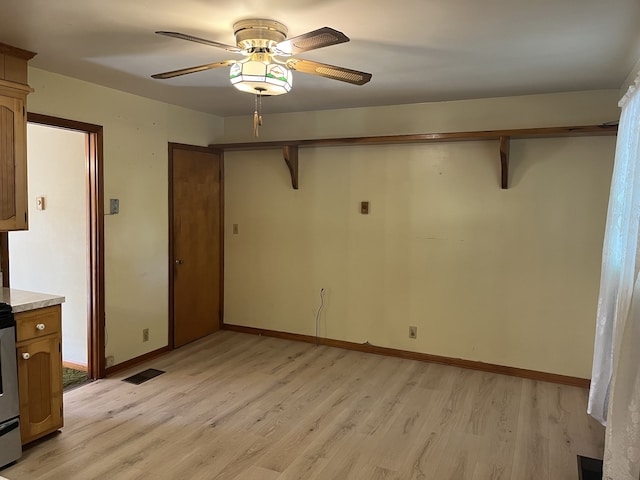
(266, 68)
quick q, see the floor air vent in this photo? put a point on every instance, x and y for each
(143, 376)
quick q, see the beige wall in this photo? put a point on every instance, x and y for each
(507, 277)
(560, 109)
(136, 133)
(501, 276)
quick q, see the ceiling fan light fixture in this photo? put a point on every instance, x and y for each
(266, 78)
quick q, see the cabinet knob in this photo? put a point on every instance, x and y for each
(26, 356)
(40, 326)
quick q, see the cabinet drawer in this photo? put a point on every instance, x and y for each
(38, 323)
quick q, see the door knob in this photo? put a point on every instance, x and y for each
(179, 262)
(26, 356)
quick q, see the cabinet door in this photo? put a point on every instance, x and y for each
(40, 387)
(13, 164)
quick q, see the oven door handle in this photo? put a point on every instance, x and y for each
(9, 426)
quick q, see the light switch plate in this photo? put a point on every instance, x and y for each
(40, 203)
(114, 206)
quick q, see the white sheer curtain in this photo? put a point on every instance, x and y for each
(614, 398)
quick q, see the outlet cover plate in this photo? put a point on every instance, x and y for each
(413, 332)
(114, 206)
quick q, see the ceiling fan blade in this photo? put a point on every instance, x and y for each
(191, 38)
(323, 37)
(185, 71)
(330, 71)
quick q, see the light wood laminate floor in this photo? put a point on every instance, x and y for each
(237, 406)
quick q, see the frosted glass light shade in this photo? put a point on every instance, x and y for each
(259, 77)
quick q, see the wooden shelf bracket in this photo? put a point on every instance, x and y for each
(504, 161)
(290, 154)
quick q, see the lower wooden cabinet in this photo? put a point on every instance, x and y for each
(39, 347)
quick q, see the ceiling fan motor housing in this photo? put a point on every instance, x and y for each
(259, 34)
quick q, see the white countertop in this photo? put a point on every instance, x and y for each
(22, 300)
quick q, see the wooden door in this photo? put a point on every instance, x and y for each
(196, 242)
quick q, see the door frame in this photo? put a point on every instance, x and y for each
(96, 361)
(181, 146)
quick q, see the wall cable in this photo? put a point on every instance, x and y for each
(318, 313)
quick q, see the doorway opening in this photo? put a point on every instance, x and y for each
(80, 255)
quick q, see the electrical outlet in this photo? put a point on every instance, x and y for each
(145, 334)
(114, 206)
(413, 332)
(110, 361)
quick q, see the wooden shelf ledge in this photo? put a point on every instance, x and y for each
(290, 147)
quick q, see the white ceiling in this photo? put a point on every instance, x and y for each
(417, 50)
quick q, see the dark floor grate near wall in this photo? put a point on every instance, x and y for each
(143, 376)
(589, 468)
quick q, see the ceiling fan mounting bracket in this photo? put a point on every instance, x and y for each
(259, 33)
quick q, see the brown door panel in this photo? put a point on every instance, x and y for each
(196, 242)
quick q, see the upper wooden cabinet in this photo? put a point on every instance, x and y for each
(13, 137)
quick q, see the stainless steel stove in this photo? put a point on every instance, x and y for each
(10, 444)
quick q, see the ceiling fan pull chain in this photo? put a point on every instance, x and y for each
(257, 114)
(256, 123)
(256, 119)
